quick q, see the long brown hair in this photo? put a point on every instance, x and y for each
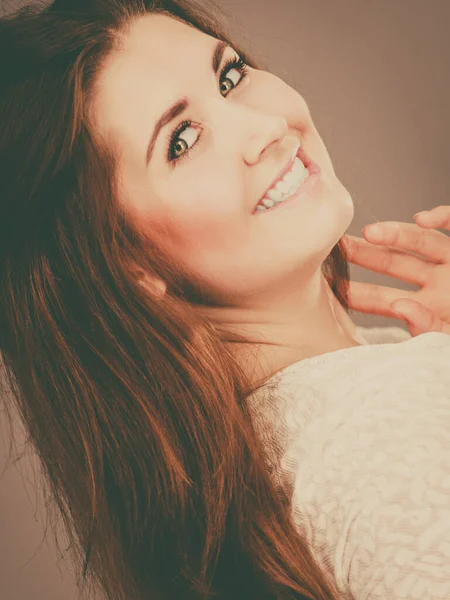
(133, 403)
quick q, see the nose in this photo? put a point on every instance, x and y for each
(268, 136)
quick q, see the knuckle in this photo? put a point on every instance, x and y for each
(387, 261)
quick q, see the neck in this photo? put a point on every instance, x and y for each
(302, 326)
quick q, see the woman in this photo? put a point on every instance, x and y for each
(144, 307)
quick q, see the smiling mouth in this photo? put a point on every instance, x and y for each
(312, 167)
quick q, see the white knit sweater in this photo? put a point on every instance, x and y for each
(361, 437)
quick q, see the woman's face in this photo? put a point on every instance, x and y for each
(244, 132)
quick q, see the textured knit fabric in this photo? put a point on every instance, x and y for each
(361, 439)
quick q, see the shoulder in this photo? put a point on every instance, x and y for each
(374, 498)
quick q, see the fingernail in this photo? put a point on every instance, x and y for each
(404, 312)
(373, 230)
(401, 316)
(420, 214)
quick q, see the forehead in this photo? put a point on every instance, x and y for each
(156, 37)
(157, 58)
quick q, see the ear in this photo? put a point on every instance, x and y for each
(153, 284)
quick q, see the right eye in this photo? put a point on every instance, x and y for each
(175, 142)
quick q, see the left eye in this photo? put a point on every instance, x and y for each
(175, 143)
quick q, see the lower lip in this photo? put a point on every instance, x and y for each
(305, 187)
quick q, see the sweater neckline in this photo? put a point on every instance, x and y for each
(341, 353)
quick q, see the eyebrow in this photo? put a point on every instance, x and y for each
(183, 104)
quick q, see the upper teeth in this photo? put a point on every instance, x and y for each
(286, 186)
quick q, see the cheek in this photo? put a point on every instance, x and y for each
(210, 220)
(210, 197)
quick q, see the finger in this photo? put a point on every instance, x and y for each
(438, 217)
(388, 261)
(374, 299)
(434, 245)
(419, 318)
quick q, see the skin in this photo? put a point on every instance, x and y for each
(260, 273)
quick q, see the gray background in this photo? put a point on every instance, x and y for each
(375, 76)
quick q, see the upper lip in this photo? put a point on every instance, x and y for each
(282, 173)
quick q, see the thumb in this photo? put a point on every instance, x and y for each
(418, 317)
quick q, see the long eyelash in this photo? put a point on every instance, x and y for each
(237, 63)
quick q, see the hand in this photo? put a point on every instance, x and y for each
(388, 252)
